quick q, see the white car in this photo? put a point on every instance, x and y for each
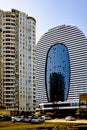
(69, 118)
(46, 117)
(17, 118)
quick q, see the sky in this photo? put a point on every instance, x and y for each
(51, 13)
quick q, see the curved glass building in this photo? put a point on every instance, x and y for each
(61, 65)
(57, 73)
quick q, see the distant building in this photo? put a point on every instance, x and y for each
(61, 66)
(17, 60)
(83, 100)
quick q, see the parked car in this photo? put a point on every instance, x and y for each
(69, 118)
(37, 120)
(17, 118)
(5, 118)
(46, 117)
(27, 119)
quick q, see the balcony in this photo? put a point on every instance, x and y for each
(10, 42)
(9, 82)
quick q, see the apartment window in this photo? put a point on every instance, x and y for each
(23, 96)
(29, 37)
(29, 22)
(29, 57)
(13, 24)
(29, 97)
(29, 81)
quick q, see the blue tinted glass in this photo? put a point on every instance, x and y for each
(57, 73)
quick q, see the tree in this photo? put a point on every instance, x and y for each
(81, 112)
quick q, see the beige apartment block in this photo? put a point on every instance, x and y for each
(17, 60)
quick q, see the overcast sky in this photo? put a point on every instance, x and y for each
(51, 13)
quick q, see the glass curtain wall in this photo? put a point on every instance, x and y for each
(57, 73)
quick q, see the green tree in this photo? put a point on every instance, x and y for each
(81, 112)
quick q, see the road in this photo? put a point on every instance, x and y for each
(83, 121)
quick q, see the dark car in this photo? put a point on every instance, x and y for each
(37, 120)
(5, 118)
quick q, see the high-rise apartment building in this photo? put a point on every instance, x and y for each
(61, 69)
(17, 60)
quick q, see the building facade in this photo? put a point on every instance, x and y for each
(17, 60)
(61, 65)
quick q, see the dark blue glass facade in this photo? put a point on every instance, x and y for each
(57, 73)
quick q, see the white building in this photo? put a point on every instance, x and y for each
(61, 38)
(17, 53)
